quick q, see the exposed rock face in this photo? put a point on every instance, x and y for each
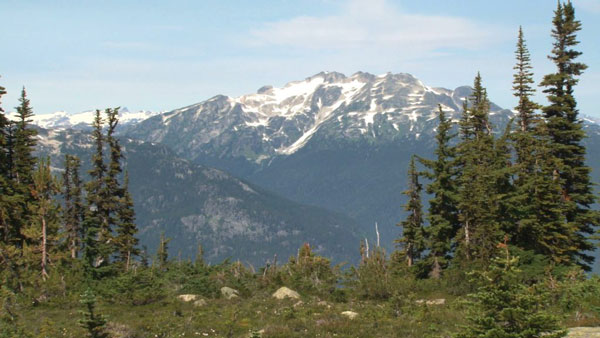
(350, 314)
(284, 292)
(229, 293)
(195, 204)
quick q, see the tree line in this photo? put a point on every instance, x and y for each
(48, 222)
(529, 186)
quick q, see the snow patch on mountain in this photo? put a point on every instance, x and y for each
(65, 120)
(280, 121)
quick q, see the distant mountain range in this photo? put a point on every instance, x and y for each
(338, 142)
(83, 120)
(333, 141)
(194, 204)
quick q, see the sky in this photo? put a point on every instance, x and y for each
(162, 55)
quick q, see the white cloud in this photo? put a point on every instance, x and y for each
(378, 26)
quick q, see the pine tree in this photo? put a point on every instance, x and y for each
(478, 180)
(22, 144)
(523, 90)
(5, 188)
(566, 133)
(93, 322)
(442, 216)
(73, 211)
(412, 242)
(504, 307)
(24, 161)
(11, 209)
(112, 191)
(126, 241)
(95, 215)
(199, 262)
(162, 254)
(43, 231)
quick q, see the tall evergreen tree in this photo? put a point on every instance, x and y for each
(5, 189)
(527, 120)
(73, 211)
(566, 133)
(95, 219)
(162, 254)
(21, 147)
(477, 199)
(443, 215)
(126, 229)
(24, 161)
(43, 230)
(109, 191)
(412, 241)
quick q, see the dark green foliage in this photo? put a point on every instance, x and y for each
(94, 219)
(24, 143)
(442, 215)
(309, 272)
(412, 241)
(566, 134)
(126, 240)
(523, 90)
(42, 233)
(479, 179)
(73, 211)
(135, 288)
(162, 253)
(93, 322)
(372, 278)
(503, 307)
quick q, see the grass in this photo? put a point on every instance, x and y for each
(309, 317)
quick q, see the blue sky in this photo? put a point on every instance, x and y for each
(162, 55)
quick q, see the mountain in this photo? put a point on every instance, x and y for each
(338, 142)
(195, 204)
(82, 120)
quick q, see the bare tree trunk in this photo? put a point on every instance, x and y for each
(44, 251)
(436, 271)
(377, 232)
(73, 249)
(128, 259)
(467, 238)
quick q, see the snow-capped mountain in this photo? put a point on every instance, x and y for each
(335, 141)
(83, 120)
(280, 121)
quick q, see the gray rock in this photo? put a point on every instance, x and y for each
(188, 297)
(229, 293)
(350, 314)
(284, 292)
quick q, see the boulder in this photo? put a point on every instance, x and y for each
(229, 293)
(439, 301)
(350, 314)
(284, 292)
(188, 297)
